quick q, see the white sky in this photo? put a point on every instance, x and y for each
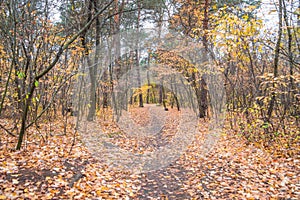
(268, 12)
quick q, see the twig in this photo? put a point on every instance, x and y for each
(9, 132)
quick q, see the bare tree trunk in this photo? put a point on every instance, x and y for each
(201, 89)
(160, 99)
(174, 93)
(138, 56)
(276, 60)
(92, 101)
(148, 80)
(290, 54)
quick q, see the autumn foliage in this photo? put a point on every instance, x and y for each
(48, 51)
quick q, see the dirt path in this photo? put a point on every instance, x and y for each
(232, 169)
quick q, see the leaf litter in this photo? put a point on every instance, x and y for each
(232, 169)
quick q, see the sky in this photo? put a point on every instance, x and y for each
(268, 14)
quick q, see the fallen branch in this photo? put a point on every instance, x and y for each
(8, 131)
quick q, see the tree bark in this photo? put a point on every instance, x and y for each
(276, 60)
(137, 52)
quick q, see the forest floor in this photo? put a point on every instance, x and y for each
(56, 168)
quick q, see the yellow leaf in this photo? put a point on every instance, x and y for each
(245, 17)
(104, 188)
(99, 192)
(2, 197)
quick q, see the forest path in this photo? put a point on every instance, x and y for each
(231, 169)
(213, 166)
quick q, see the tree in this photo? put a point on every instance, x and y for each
(31, 33)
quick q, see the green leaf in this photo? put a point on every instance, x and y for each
(36, 83)
(20, 75)
(265, 125)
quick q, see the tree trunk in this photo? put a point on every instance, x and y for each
(276, 61)
(138, 57)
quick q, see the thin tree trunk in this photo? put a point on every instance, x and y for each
(148, 80)
(138, 56)
(276, 61)
(290, 53)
